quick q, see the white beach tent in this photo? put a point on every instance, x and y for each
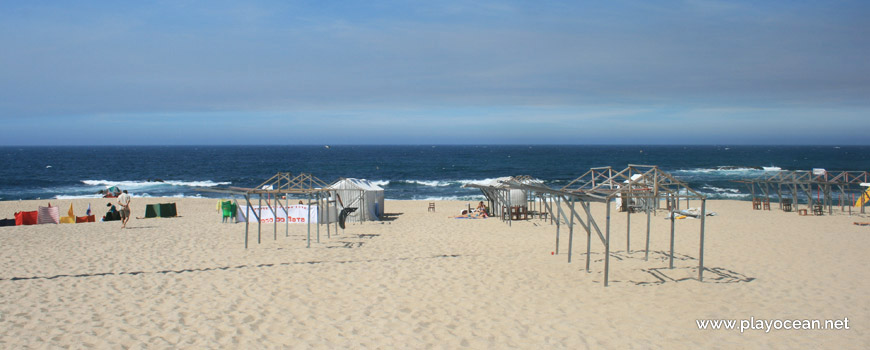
(362, 194)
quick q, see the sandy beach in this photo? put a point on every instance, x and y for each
(424, 280)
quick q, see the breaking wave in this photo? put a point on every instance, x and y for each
(449, 198)
(381, 183)
(140, 184)
(720, 189)
(430, 183)
(727, 195)
(84, 196)
(434, 183)
(728, 170)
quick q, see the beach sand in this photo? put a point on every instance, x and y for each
(424, 280)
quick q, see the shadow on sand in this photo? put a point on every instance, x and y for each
(205, 269)
(663, 274)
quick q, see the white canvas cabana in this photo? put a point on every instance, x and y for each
(362, 194)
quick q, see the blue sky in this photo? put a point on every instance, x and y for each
(434, 72)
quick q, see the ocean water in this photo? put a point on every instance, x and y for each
(405, 172)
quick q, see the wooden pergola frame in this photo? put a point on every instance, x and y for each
(499, 198)
(284, 183)
(794, 182)
(604, 184)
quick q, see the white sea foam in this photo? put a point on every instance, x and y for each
(449, 198)
(430, 183)
(721, 190)
(436, 183)
(140, 184)
(62, 196)
(728, 195)
(478, 182)
(717, 170)
(184, 196)
(494, 181)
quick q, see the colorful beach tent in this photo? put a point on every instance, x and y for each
(88, 218)
(162, 210)
(112, 192)
(26, 218)
(48, 215)
(70, 218)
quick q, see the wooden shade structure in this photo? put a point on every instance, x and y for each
(788, 185)
(644, 185)
(285, 184)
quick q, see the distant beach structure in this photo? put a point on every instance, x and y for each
(362, 194)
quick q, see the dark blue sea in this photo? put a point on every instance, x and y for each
(405, 172)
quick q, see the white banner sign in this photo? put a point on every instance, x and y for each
(297, 214)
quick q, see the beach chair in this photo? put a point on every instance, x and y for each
(228, 209)
(818, 209)
(786, 205)
(431, 206)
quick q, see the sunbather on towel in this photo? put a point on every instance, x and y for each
(464, 214)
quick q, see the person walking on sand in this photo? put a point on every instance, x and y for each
(124, 201)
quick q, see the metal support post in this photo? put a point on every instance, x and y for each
(571, 232)
(646, 256)
(671, 259)
(558, 220)
(607, 246)
(701, 253)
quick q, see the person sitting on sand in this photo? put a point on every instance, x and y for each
(480, 208)
(110, 214)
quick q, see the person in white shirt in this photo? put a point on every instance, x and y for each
(124, 201)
